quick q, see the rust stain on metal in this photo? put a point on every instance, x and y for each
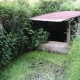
(57, 16)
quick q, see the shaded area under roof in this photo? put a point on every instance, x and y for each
(57, 16)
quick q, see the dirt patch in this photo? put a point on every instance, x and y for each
(45, 70)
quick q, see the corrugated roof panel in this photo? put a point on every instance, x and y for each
(57, 16)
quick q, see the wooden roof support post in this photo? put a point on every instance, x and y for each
(68, 32)
(78, 30)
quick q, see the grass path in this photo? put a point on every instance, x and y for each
(36, 66)
(39, 65)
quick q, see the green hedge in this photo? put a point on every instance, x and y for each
(14, 15)
(24, 40)
(18, 37)
(46, 6)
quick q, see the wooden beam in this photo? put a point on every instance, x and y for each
(78, 30)
(68, 32)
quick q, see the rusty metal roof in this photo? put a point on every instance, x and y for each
(57, 16)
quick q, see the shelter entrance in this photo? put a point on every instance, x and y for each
(58, 31)
(61, 26)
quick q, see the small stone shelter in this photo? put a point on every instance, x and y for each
(61, 26)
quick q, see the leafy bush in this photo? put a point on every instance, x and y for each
(36, 37)
(5, 50)
(48, 6)
(14, 15)
(10, 46)
(13, 44)
(18, 36)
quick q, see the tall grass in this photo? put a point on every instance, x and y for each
(28, 64)
(73, 73)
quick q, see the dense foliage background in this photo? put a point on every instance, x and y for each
(18, 36)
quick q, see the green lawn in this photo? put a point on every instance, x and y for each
(36, 65)
(39, 65)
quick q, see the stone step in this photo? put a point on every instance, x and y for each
(54, 46)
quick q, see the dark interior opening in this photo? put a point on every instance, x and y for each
(57, 36)
(57, 30)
